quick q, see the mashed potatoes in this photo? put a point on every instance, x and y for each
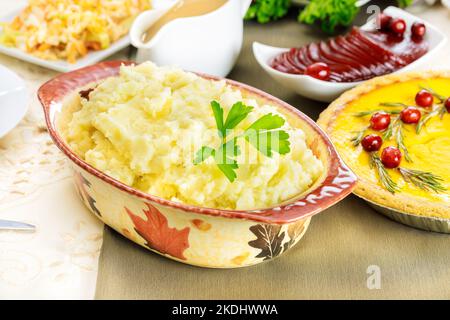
(144, 127)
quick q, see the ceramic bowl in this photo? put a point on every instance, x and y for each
(328, 91)
(199, 236)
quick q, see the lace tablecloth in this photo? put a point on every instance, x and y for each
(60, 259)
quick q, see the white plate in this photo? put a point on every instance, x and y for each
(328, 91)
(61, 65)
(13, 100)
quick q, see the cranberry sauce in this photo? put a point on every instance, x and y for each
(357, 56)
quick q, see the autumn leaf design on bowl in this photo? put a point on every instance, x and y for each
(159, 236)
(270, 239)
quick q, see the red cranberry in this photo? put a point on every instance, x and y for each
(318, 70)
(380, 121)
(410, 115)
(424, 99)
(391, 157)
(447, 104)
(383, 21)
(418, 29)
(398, 26)
(371, 142)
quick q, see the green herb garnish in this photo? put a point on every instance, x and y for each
(359, 135)
(424, 180)
(261, 134)
(427, 117)
(393, 104)
(438, 110)
(399, 139)
(329, 13)
(370, 112)
(434, 93)
(267, 10)
(385, 178)
(404, 3)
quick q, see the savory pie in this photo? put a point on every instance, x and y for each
(397, 140)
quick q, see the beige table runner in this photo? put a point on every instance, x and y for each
(348, 252)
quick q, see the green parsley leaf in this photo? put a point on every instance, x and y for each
(230, 148)
(261, 134)
(330, 13)
(268, 141)
(267, 122)
(218, 115)
(229, 170)
(238, 112)
(203, 154)
(226, 164)
(266, 10)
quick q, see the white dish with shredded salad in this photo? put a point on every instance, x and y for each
(61, 64)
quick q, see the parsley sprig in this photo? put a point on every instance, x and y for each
(263, 134)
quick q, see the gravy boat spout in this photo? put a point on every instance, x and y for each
(145, 20)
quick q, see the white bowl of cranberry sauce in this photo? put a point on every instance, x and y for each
(394, 41)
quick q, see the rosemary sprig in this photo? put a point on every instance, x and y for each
(370, 112)
(423, 121)
(391, 129)
(424, 180)
(437, 111)
(434, 93)
(399, 139)
(395, 129)
(385, 178)
(393, 104)
(442, 111)
(356, 140)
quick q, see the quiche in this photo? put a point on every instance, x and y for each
(394, 133)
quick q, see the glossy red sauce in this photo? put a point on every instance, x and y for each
(357, 56)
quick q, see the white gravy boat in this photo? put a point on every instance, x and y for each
(208, 43)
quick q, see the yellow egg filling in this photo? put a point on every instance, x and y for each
(429, 149)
